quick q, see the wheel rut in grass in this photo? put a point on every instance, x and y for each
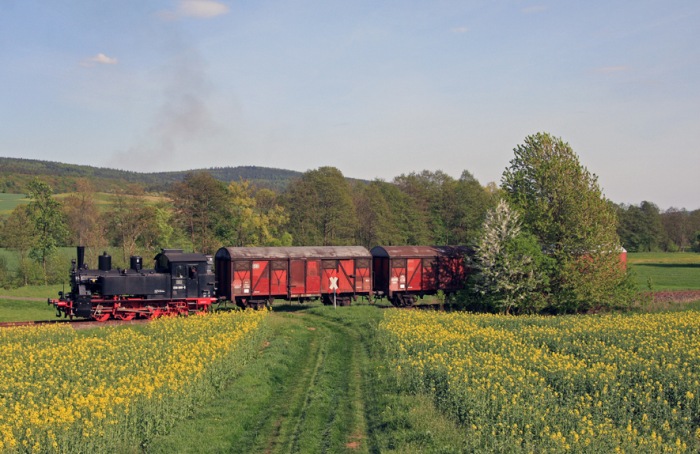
(326, 412)
(303, 393)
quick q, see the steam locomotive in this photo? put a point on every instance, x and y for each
(180, 283)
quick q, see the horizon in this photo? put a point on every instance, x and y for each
(374, 88)
(661, 208)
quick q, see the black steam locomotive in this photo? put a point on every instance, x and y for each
(180, 283)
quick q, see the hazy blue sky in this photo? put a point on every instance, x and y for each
(376, 88)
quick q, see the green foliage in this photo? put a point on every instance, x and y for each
(47, 221)
(645, 228)
(83, 216)
(4, 272)
(640, 227)
(255, 223)
(446, 211)
(15, 233)
(201, 209)
(510, 268)
(376, 222)
(564, 208)
(409, 223)
(321, 210)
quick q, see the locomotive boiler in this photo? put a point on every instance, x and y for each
(179, 283)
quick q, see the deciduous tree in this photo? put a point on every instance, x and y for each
(320, 208)
(253, 223)
(510, 268)
(375, 220)
(47, 222)
(563, 206)
(201, 208)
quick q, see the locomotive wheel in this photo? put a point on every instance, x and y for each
(126, 316)
(101, 317)
(153, 314)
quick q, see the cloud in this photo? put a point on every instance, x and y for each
(460, 30)
(534, 9)
(99, 59)
(182, 125)
(203, 9)
(612, 69)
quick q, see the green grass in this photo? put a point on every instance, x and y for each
(319, 384)
(106, 201)
(264, 409)
(8, 202)
(103, 200)
(14, 307)
(34, 291)
(636, 258)
(666, 271)
(22, 311)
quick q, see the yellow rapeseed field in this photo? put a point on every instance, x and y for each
(63, 391)
(612, 383)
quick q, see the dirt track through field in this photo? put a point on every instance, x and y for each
(324, 407)
(304, 393)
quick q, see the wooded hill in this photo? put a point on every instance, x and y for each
(16, 173)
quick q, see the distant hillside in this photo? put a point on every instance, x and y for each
(16, 173)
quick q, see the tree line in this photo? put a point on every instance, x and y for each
(545, 240)
(646, 228)
(202, 213)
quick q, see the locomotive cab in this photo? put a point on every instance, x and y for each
(191, 275)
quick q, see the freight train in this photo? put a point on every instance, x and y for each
(185, 283)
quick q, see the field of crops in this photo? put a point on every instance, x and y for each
(552, 384)
(113, 390)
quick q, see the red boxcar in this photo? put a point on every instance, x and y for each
(255, 276)
(403, 273)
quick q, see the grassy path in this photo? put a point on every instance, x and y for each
(305, 393)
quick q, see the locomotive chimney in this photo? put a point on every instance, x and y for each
(136, 262)
(81, 257)
(105, 262)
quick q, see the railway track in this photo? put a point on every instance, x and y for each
(76, 324)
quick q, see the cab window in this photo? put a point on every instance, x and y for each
(180, 270)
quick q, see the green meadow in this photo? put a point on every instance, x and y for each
(666, 271)
(8, 202)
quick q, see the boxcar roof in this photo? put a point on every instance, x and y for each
(292, 252)
(400, 252)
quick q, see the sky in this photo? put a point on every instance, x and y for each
(375, 88)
